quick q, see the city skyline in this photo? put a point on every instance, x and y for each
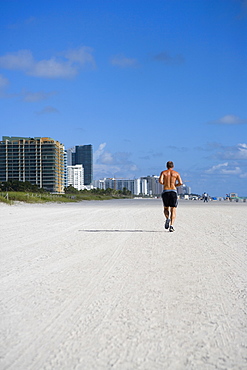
(23, 159)
(144, 82)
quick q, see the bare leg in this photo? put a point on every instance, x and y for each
(173, 214)
(166, 212)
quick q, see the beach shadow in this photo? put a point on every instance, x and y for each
(121, 231)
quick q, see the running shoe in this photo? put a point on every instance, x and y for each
(167, 223)
(171, 229)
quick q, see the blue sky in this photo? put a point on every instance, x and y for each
(143, 81)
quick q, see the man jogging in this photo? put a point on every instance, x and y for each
(170, 179)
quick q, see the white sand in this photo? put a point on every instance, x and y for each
(101, 285)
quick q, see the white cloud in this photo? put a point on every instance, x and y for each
(3, 82)
(178, 149)
(52, 69)
(81, 55)
(24, 95)
(234, 171)
(106, 158)
(26, 22)
(242, 151)
(114, 170)
(224, 169)
(103, 170)
(99, 151)
(67, 66)
(166, 58)
(123, 62)
(112, 164)
(237, 152)
(217, 168)
(229, 119)
(47, 110)
(30, 97)
(21, 60)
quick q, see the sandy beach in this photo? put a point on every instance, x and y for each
(102, 285)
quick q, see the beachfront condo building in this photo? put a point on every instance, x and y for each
(119, 184)
(75, 176)
(83, 154)
(153, 185)
(39, 160)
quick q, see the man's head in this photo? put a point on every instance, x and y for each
(169, 164)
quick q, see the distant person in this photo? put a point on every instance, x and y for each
(170, 179)
(205, 197)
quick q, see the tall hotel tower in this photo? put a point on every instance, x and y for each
(37, 160)
(84, 155)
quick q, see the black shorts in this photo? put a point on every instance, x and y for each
(170, 198)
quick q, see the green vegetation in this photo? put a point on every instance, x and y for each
(108, 192)
(17, 191)
(15, 185)
(4, 198)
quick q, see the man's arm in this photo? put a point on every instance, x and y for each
(161, 179)
(180, 182)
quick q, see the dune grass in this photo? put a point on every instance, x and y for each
(14, 196)
(4, 199)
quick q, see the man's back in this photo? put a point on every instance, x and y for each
(170, 179)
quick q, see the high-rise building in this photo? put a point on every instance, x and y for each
(65, 168)
(84, 155)
(70, 152)
(153, 185)
(184, 189)
(141, 186)
(119, 184)
(37, 160)
(76, 176)
(148, 186)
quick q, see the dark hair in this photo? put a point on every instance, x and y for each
(169, 164)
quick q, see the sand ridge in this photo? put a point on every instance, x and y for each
(102, 285)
